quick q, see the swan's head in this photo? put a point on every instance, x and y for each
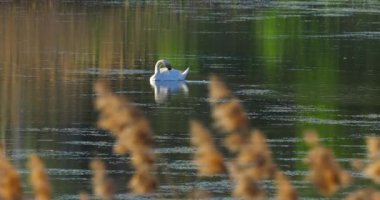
(167, 64)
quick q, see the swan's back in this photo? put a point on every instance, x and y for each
(167, 73)
(170, 75)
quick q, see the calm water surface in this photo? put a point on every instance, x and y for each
(294, 65)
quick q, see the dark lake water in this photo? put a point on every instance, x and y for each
(294, 65)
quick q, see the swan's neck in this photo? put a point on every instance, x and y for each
(157, 66)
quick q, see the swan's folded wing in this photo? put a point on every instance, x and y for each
(185, 73)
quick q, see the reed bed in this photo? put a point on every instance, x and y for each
(247, 159)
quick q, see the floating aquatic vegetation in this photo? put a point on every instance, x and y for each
(207, 157)
(38, 178)
(10, 183)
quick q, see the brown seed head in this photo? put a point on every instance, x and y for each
(207, 157)
(38, 178)
(325, 172)
(230, 116)
(235, 141)
(102, 186)
(373, 147)
(218, 90)
(311, 137)
(357, 164)
(83, 196)
(285, 190)
(142, 182)
(247, 188)
(10, 183)
(364, 194)
(372, 171)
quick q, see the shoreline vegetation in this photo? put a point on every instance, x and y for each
(247, 159)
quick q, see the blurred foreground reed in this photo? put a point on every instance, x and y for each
(247, 158)
(132, 132)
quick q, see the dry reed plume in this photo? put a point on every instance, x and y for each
(83, 196)
(357, 164)
(10, 183)
(252, 164)
(255, 158)
(364, 194)
(372, 170)
(373, 148)
(324, 171)
(247, 188)
(101, 184)
(133, 135)
(228, 114)
(218, 90)
(311, 138)
(207, 157)
(38, 178)
(253, 161)
(197, 194)
(285, 190)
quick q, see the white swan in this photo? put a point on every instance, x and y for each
(167, 73)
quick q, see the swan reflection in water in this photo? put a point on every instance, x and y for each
(163, 89)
